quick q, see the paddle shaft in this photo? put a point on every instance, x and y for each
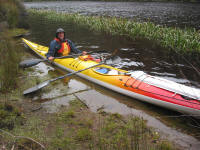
(33, 62)
(70, 74)
(68, 56)
(74, 55)
(43, 84)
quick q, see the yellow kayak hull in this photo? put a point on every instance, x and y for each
(133, 86)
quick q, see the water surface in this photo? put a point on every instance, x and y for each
(165, 13)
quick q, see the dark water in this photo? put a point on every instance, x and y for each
(166, 13)
(136, 55)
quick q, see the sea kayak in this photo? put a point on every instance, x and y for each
(136, 84)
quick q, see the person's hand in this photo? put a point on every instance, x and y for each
(51, 58)
(84, 53)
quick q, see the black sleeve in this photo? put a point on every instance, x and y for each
(52, 49)
(73, 48)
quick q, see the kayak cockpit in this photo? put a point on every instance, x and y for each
(108, 71)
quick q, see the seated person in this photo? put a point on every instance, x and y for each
(61, 46)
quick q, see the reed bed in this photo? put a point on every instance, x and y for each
(181, 40)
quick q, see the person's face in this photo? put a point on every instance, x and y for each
(61, 35)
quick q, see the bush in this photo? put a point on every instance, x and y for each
(8, 63)
(13, 12)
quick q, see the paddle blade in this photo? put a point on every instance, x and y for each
(29, 63)
(113, 60)
(36, 88)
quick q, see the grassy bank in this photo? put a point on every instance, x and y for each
(180, 40)
(75, 127)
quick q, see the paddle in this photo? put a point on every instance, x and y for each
(32, 62)
(108, 61)
(21, 35)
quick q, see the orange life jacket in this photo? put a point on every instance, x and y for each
(65, 48)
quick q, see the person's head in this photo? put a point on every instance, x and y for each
(60, 33)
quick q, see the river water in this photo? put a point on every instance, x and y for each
(135, 55)
(171, 14)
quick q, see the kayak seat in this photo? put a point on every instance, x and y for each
(102, 70)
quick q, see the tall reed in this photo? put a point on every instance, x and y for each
(180, 40)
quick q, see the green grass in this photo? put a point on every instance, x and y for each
(83, 134)
(180, 40)
(10, 116)
(88, 131)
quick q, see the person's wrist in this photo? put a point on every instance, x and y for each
(84, 52)
(51, 58)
